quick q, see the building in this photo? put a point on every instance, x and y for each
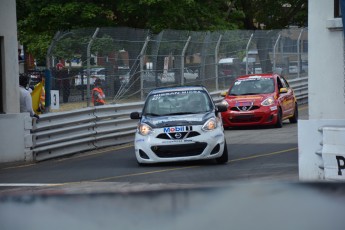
(321, 138)
(13, 125)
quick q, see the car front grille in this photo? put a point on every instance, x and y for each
(182, 150)
(244, 108)
(178, 135)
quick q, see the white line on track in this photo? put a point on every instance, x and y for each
(27, 185)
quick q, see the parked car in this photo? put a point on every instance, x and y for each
(257, 69)
(168, 77)
(188, 74)
(123, 73)
(81, 79)
(293, 67)
(121, 76)
(304, 66)
(259, 99)
(179, 124)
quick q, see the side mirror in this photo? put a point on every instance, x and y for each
(283, 90)
(135, 115)
(221, 107)
(223, 94)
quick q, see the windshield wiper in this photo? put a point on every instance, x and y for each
(179, 113)
(152, 114)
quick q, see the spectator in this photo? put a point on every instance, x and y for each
(97, 93)
(38, 96)
(25, 96)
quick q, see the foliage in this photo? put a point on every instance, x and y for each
(273, 14)
(39, 20)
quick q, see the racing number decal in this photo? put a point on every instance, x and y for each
(54, 103)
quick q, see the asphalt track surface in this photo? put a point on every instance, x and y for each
(258, 188)
(255, 154)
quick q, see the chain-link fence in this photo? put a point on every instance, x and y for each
(130, 62)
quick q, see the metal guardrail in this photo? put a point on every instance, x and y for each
(300, 87)
(60, 134)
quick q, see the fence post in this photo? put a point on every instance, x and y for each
(182, 59)
(247, 48)
(88, 67)
(47, 84)
(142, 67)
(299, 54)
(216, 52)
(274, 53)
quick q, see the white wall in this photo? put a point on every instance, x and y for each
(326, 86)
(8, 30)
(326, 63)
(16, 139)
(12, 125)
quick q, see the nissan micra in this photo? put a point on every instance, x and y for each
(260, 99)
(180, 124)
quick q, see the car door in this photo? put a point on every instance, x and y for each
(287, 99)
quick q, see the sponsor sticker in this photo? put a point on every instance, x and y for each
(273, 108)
(175, 129)
(175, 118)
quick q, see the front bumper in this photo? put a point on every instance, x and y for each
(154, 149)
(265, 115)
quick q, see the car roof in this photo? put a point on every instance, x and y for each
(177, 88)
(266, 75)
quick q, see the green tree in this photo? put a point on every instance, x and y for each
(271, 15)
(39, 20)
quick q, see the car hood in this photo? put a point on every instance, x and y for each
(255, 99)
(177, 120)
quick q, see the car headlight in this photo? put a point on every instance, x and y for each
(144, 129)
(209, 125)
(268, 101)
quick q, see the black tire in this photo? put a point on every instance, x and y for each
(224, 157)
(279, 122)
(294, 118)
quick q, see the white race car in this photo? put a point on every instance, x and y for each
(180, 124)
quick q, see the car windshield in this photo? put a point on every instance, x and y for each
(251, 86)
(177, 103)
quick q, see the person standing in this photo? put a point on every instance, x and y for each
(98, 94)
(25, 96)
(38, 96)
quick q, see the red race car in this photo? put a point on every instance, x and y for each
(259, 99)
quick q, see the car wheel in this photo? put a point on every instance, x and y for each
(294, 119)
(224, 157)
(279, 122)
